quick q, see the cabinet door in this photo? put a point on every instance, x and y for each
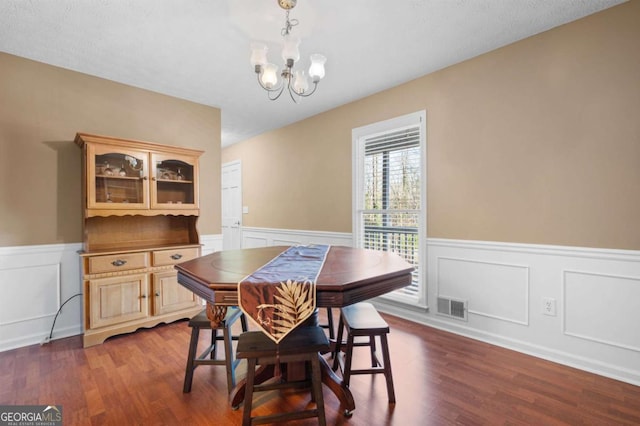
(118, 299)
(117, 178)
(174, 182)
(169, 296)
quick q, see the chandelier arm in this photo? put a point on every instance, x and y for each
(277, 96)
(305, 95)
(291, 92)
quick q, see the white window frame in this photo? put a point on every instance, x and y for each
(359, 135)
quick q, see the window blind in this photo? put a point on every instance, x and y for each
(392, 196)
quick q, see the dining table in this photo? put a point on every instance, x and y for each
(349, 275)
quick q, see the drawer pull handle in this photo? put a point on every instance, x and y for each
(118, 262)
(176, 256)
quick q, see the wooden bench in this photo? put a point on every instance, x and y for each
(363, 320)
(209, 356)
(304, 344)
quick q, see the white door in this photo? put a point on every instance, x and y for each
(231, 205)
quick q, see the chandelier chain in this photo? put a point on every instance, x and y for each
(290, 23)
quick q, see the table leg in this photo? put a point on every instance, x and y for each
(334, 383)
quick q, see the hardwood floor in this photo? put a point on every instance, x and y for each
(440, 379)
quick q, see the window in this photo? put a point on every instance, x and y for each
(389, 185)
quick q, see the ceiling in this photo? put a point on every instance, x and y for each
(199, 49)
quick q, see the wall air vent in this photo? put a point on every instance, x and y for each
(452, 308)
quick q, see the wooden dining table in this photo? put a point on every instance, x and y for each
(349, 275)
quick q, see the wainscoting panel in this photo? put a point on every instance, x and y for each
(596, 293)
(252, 241)
(35, 282)
(494, 290)
(29, 293)
(601, 308)
(266, 237)
(210, 243)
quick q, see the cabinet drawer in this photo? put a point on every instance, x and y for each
(171, 257)
(118, 262)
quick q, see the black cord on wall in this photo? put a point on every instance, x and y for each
(47, 339)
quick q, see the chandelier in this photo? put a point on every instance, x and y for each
(295, 81)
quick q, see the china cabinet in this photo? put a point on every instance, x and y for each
(140, 203)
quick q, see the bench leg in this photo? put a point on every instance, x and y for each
(248, 392)
(387, 367)
(372, 351)
(348, 355)
(193, 348)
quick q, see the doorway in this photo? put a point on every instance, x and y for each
(232, 205)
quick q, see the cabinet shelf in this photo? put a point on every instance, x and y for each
(118, 177)
(175, 181)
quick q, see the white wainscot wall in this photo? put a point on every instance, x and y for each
(266, 237)
(596, 294)
(35, 281)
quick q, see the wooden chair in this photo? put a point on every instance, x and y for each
(302, 345)
(363, 320)
(209, 357)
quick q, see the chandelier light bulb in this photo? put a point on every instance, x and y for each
(300, 82)
(316, 70)
(269, 76)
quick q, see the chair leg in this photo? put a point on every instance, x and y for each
(316, 380)
(228, 357)
(193, 348)
(214, 343)
(248, 392)
(243, 322)
(387, 367)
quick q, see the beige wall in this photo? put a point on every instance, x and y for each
(41, 109)
(537, 142)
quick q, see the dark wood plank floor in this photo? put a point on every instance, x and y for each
(440, 379)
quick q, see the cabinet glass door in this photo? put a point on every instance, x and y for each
(173, 183)
(117, 179)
